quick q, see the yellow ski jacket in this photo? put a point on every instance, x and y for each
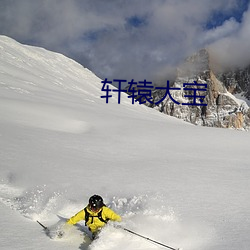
(94, 223)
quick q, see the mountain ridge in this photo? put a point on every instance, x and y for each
(223, 109)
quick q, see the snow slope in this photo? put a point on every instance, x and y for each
(176, 183)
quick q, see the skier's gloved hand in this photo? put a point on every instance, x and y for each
(62, 230)
(60, 233)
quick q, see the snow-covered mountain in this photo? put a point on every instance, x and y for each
(182, 185)
(237, 81)
(223, 107)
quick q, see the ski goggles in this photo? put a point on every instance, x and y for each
(94, 208)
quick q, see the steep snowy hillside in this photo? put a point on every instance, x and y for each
(179, 184)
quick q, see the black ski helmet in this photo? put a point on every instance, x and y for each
(96, 202)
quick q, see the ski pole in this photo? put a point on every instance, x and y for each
(45, 228)
(146, 238)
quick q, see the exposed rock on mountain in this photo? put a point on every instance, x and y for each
(237, 81)
(195, 78)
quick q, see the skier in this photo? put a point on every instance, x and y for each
(95, 214)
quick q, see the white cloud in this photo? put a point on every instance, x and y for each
(228, 28)
(97, 33)
(233, 50)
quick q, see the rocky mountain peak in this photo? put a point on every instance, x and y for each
(222, 108)
(194, 65)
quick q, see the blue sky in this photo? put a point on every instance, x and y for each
(218, 17)
(140, 39)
